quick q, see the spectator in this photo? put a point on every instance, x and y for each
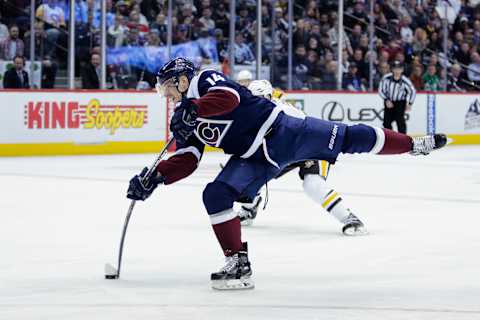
(394, 47)
(243, 53)
(301, 68)
(405, 30)
(16, 77)
(430, 79)
(206, 19)
(142, 20)
(151, 8)
(301, 33)
(91, 73)
(383, 69)
(221, 18)
(363, 44)
(358, 14)
(133, 38)
(333, 34)
(474, 69)
(410, 28)
(49, 73)
(153, 39)
(362, 66)
(455, 81)
(329, 77)
(40, 38)
(313, 44)
(420, 41)
(138, 22)
(355, 36)
(315, 72)
(181, 36)
(54, 18)
(122, 8)
(13, 46)
(416, 78)
(476, 33)
(352, 81)
(325, 60)
(3, 30)
(160, 24)
(117, 32)
(463, 54)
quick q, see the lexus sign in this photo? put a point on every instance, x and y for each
(335, 111)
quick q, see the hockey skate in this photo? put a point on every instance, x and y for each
(236, 274)
(353, 226)
(248, 211)
(424, 145)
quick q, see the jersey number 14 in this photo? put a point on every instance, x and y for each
(215, 78)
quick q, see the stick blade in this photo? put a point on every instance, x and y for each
(111, 272)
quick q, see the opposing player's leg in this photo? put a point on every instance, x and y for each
(218, 198)
(248, 208)
(314, 175)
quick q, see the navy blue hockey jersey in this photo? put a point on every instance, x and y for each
(239, 132)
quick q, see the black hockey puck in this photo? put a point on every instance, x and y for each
(111, 276)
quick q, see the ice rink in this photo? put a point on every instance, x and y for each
(61, 219)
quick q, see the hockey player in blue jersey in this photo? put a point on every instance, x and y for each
(262, 139)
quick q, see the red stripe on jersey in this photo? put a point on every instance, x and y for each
(178, 167)
(216, 103)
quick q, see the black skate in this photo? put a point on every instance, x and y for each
(248, 210)
(236, 274)
(353, 226)
(424, 145)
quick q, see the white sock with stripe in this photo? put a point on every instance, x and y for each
(316, 188)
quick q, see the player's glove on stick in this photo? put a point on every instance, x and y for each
(184, 120)
(141, 188)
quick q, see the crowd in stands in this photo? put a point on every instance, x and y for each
(409, 31)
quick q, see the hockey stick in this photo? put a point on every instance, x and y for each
(110, 271)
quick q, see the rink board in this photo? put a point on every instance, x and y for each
(104, 122)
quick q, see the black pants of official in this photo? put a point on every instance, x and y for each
(397, 114)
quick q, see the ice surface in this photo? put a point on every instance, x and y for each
(61, 219)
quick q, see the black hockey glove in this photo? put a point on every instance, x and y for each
(184, 120)
(139, 189)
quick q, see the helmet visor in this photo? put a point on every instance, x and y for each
(163, 86)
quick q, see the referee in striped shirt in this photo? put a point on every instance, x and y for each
(398, 94)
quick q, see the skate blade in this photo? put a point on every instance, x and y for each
(352, 232)
(246, 222)
(236, 284)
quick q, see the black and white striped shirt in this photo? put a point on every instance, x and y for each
(393, 90)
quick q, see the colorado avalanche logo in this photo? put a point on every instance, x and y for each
(212, 132)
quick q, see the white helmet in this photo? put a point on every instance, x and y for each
(262, 88)
(244, 75)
